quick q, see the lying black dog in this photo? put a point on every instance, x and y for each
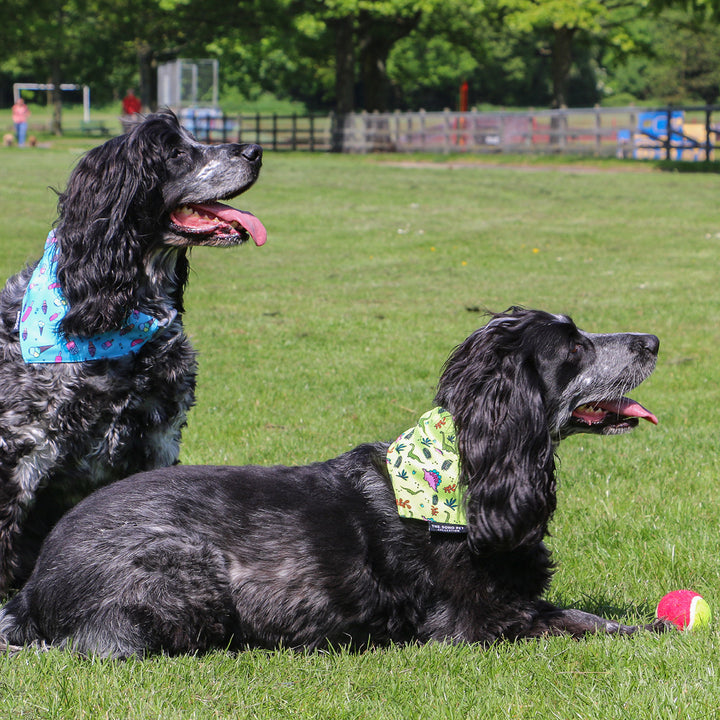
(189, 558)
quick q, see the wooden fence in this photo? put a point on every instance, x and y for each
(622, 132)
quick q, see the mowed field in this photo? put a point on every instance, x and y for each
(335, 332)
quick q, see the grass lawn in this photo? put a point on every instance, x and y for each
(335, 332)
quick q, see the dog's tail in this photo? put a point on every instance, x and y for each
(17, 628)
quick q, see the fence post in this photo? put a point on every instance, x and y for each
(708, 130)
(293, 139)
(311, 141)
(447, 123)
(239, 123)
(598, 130)
(530, 136)
(257, 128)
(337, 139)
(668, 139)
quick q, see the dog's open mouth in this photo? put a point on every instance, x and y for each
(608, 417)
(218, 224)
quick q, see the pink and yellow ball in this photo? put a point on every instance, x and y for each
(686, 609)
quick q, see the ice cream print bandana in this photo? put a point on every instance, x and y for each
(44, 306)
(425, 469)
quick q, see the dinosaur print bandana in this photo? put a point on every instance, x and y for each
(425, 469)
(44, 306)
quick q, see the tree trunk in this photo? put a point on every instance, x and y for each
(561, 64)
(56, 72)
(56, 95)
(374, 80)
(344, 78)
(147, 71)
(376, 38)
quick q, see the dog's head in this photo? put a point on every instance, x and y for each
(199, 176)
(131, 207)
(515, 388)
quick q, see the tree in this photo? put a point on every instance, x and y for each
(22, 48)
(363, 33)
(88, 40)
(467, 40)
(680, 60)
(565, 22)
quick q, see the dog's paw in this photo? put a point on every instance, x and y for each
(659, 626)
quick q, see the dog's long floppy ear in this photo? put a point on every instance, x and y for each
(492, 389)
(103, 230)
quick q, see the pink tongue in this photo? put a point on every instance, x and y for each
(247, 220)
(627, 408)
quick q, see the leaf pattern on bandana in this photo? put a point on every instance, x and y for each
(424, 467)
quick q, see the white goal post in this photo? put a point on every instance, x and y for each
(17, 87)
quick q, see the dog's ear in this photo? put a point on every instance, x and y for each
(506, 452)
(103, 232)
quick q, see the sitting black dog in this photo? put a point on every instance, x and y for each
(96, 373)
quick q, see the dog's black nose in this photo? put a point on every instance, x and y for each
(650, 343)
(252, 153)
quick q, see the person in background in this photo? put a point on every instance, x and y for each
(131, 103)
(20, 115)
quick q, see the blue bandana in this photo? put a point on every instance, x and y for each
(44, 306)
(424, 467)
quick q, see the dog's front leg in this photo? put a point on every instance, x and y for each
(551, 620)
(22, 470)
(12, 512)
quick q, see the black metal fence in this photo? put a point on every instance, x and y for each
(274, 132)
(700, 144)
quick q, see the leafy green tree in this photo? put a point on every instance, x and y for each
(35, 45)
(679, 59)
(88, 40)
(467, 41)
(567, 24)
(360, 34)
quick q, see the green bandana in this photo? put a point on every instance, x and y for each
(425, 469)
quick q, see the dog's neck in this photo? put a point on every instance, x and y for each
(42, 311)
(166, 273)
(424, 467)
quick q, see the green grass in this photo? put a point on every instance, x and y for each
(334, 333)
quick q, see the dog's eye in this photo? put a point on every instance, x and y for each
(576, 348)
(176, 153)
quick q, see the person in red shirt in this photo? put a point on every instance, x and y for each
(131, 104)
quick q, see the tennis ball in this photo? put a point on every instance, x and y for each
(684, 608)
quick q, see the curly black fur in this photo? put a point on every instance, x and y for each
(67, 428)
(189, 558)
